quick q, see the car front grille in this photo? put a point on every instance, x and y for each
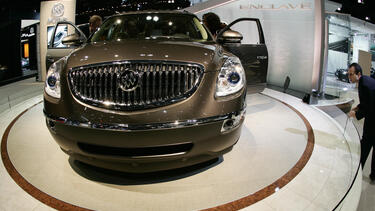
(134, 85)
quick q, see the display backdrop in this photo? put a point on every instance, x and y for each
(292, 30)
(50, 13)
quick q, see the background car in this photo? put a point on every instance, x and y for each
(342, 75)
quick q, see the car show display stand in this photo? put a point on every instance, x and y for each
(290, 156)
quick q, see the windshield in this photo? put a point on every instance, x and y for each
(152, 26)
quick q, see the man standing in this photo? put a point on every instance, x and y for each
(365, 109)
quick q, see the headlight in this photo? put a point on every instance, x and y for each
(52, 86)
(231, 78)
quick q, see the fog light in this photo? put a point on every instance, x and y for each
(51, 125)
(228, 123)
(232, 122)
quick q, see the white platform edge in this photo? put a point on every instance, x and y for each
(351, 201)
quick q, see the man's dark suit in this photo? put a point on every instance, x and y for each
(366, 109)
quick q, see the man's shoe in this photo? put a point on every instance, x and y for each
(372, 177)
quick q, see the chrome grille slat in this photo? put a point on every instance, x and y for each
(117, 98)
(111, 86)
(160, 83)
(147, 87)
(128, 102)
(123, 98)
(79, 82)
(105, 84)
(160, 74)
(153, 99)
(100, 85)
(135, 97)
(75, 79)
(172, 86)
(94, 81)
(195, 75)
(185, 80)
(178, 82)
(84, 84)
(191, 74)
(166, 84)
(89, 83)
(141, 87)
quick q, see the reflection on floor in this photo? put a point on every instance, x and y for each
(27, 72)
(18, 92)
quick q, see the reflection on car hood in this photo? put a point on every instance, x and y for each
(192, 52)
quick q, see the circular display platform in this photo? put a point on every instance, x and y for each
(275, 144)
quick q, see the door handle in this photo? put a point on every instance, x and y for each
(51, 60)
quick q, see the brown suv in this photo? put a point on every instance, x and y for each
(148, 91)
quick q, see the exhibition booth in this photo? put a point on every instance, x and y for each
(349, 40)
(292, 146)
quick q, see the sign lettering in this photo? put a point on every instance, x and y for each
(284, 6)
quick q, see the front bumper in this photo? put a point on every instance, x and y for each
(147, 147)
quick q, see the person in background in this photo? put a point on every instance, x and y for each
(213, 23)
(94, 23)
(365, 109)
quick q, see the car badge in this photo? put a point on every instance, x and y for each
(128, 80)
(57, 10)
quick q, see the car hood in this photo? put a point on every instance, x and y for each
(208, 55)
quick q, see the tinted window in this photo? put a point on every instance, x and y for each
(151, 26)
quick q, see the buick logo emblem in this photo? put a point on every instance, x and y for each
(57, 10)
(128, 80)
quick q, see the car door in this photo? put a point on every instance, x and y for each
(252, 52)
(56, 49)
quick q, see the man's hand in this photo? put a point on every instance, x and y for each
(352, 113)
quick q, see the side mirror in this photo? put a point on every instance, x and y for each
(73, 40)
(230, 36)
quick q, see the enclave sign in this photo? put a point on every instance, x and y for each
(287, 6)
